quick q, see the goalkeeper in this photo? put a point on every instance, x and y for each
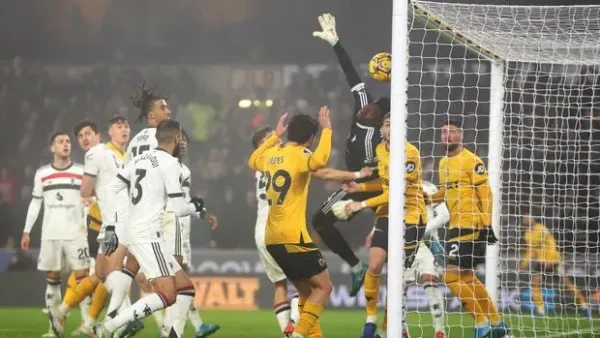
(544, 260)
(360, 151)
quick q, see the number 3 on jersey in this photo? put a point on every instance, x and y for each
(139, 176)
(280, 181)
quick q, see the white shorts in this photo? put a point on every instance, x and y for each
(58, 255)
(187, 252)
(272, 269)
(172, 233)
(153, 260)
(423, 264)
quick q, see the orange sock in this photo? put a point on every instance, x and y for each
(461, 289)
(371, 285)
(98, 301)
(316, 331)
(308, 318)
(483, 298)
(71, 298)
(84, 288)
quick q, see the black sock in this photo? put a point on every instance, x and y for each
(334, 239)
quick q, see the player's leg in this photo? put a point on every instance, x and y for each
(158, 269)
(424, 264)
(321, 287)
(323, 222)
(535, 282)
(281, 306)
(377, 259)
(573, 289)
(119, 277)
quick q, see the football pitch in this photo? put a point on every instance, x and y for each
(31, 322)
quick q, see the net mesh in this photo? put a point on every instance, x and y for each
(550, 146)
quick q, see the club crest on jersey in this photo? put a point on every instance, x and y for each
(480, 169)
(410, 167)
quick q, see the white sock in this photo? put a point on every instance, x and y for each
(53, 296)
(117, 283)
(141, 309)
(295, 311)
(159, 317)
(282, 312)
(125, 304)
(357, 267)
(371, 319)
(178, 312)
(194, 317)
(84, 306)
(436, 306)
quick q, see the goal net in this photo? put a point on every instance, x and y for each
(525, 83)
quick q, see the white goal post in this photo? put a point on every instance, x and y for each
(525, 81)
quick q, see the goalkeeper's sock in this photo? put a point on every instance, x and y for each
(461, 289)
(309, 316)
(578, 294)
(537, 298)
(371, 286)
(334, 239)
(436, 306)
(485, 301)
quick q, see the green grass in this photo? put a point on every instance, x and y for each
(30, 322)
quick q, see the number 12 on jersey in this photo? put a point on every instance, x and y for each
(280, 182)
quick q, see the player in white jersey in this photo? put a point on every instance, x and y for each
(102, 163)
(64, 236)
(152, 179)
(202, 329)
(425, 268)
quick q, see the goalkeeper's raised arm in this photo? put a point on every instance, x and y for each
(329, 34)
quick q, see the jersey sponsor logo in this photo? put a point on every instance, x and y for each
(59, 196)
(410, 167)
(480, 169)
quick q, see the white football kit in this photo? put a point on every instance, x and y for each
(64, 235)
(437, 215)
(141, 143)
(152, 179)
(186, 221)
(103, 164)
(272, 269)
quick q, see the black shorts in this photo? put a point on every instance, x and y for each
(412, 235)
(465, 248)
(341, 195)
(93, 244)
(298, 261)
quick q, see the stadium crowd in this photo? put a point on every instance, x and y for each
(33, 106)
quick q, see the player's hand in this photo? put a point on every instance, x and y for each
(353, 207)
(111, 240)
(368, 240)
(282, 125)
(198, 203)
(366, 172)
(211, 219)
(351, 187)
(25, 242)
(328, 33)
(487, 234)
(88, 201)
(324, 117)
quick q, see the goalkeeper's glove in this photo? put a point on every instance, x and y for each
(487, 235)
(198, 203)
(328, 33)
(111, 240)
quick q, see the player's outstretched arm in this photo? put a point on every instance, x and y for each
(318, 160)
(255, 161)
(329, 34)
(331, 174)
